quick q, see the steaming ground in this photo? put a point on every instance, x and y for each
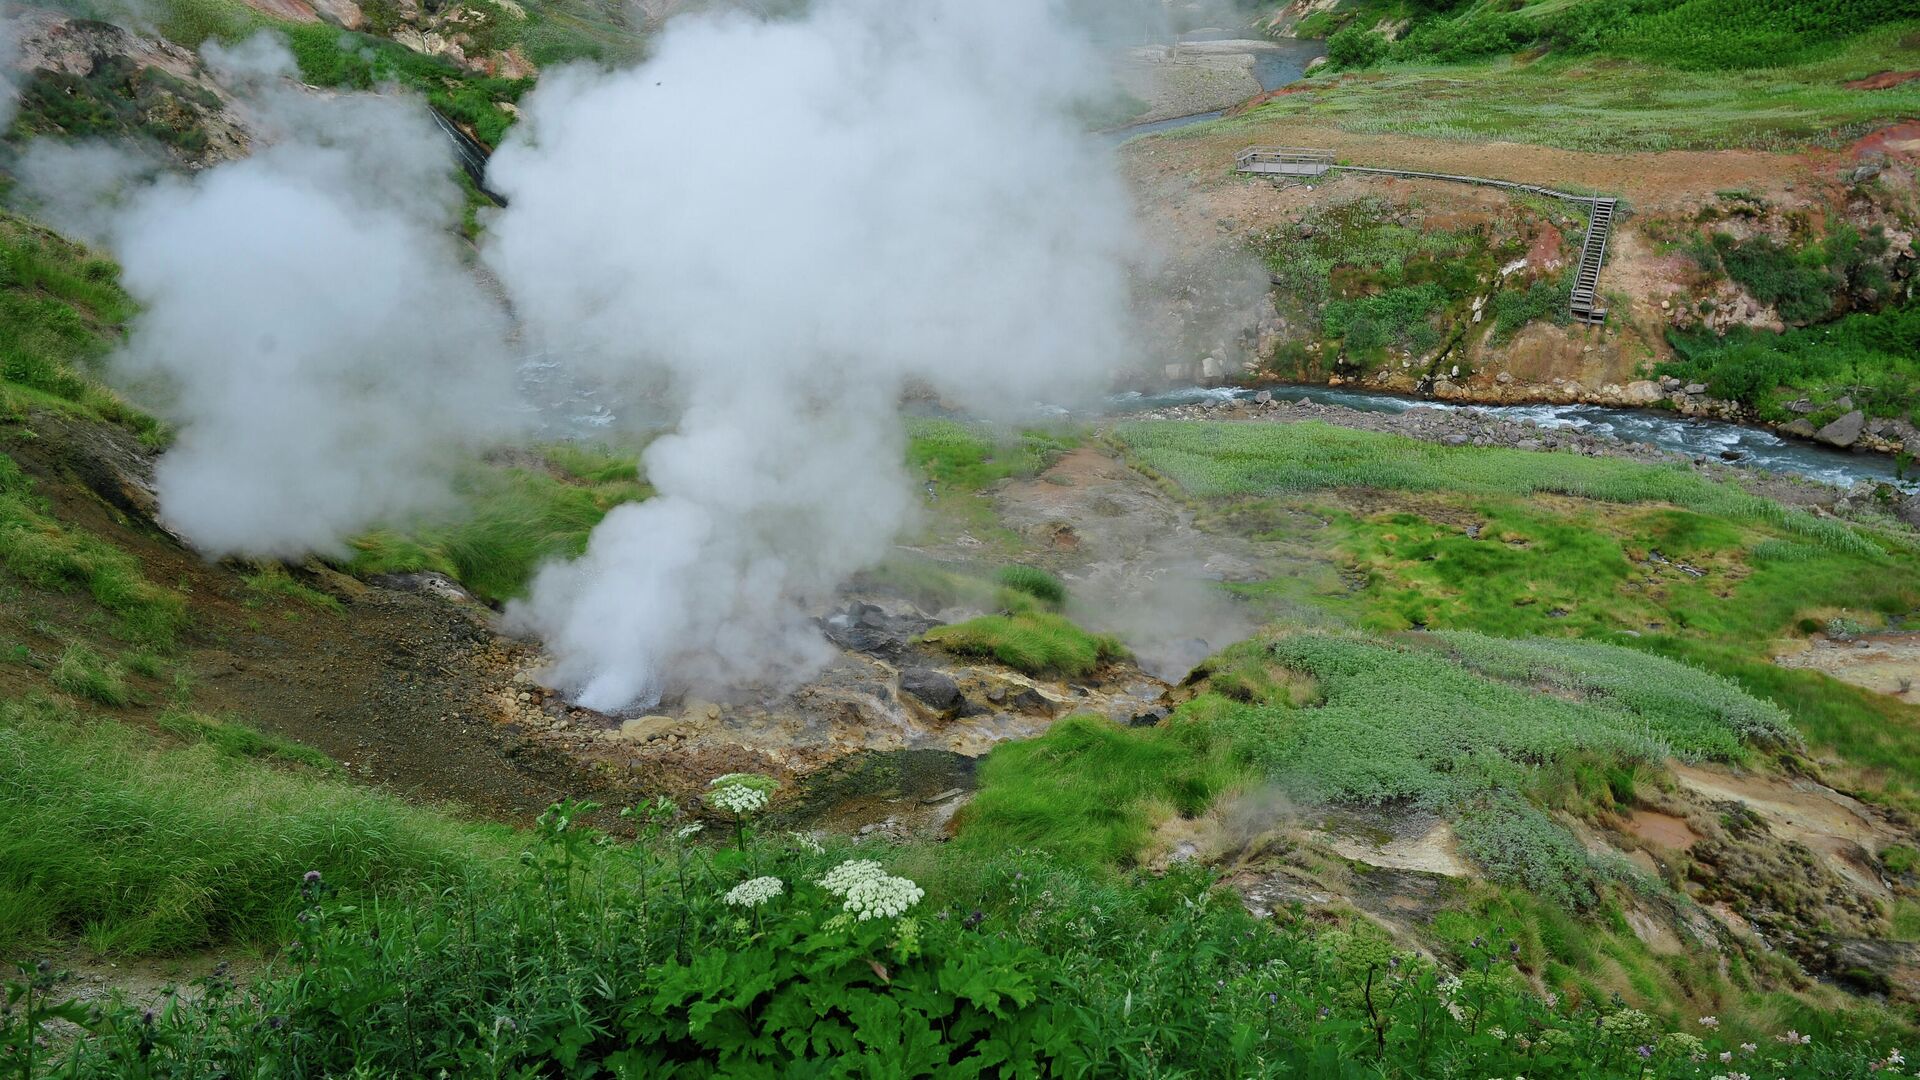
(766, 206)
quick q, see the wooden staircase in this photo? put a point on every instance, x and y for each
(1586, 286)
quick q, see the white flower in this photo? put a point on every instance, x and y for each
(807, 842)
(1726, 1057)
(737, 799)
(1748, 1048)
(1894, 1058)
(850, 873)
(686, 831)
(1709, 1021)
(754, 892)
(883, 898)
(1794, 1038)
(871, 892)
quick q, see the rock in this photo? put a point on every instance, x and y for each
(1175, 372)
(1148, 718)
(938, 691)
(1211, 368)
(1801, 428)
(1695, 388)
(1527, 444)
(1843, 432)
(344, 14)
(1640, 392)
(1455, 440)
(1503, 378)
(1882, 967)
(1803, 406)
(1263, 397)
(647, 728)
(1845, 403)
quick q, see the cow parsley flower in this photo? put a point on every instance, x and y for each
(844, 877)
(870, 892)
(754, 892)
(1709, 1021)
(686, 832)
(740, 794)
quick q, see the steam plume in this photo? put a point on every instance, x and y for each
(322, 350)
(790, 221)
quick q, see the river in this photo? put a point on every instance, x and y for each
(1733, 443)
(1275, 64)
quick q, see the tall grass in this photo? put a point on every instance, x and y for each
(516, 517)
(61, 306)
(1035, 641)
(46, 554)
(136, 848)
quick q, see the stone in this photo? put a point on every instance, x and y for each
(1175, 372)
(1148, 718)
(1527, 444)
(1211, 368)
(1504, 378)
(1843, 432)
(647, 728)
(1845, 403)
(1803, 406)
(1695, 388)
(935, 689)
(1801, 428)
(1263, 397)
(1640, 392)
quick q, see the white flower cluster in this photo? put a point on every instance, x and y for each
(871, 892)
(735, 797)
(754, 892)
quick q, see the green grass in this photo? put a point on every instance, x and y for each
(271, 583)
(62, 307)
(86, 673)
(517, 516)
(1228, 460)
(1035, 582)
(135, 848)
(1089, 791)
(235, 739)
(1034, 641)
(1610, 104)
(971, 457)
(37, 549)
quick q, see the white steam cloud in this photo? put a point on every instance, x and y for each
(791, 221)
(323, 352)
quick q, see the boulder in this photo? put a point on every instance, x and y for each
(1801, 428)
(934, 689)
(1843, 432)
(647, 728)
(1263, 397)
(1640, 392)
(1695, 388)
(1211, 368)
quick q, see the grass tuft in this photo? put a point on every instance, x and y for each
(1036, 642)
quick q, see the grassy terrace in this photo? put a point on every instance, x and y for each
(1606, 103)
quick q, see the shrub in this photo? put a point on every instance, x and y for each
(1520, 846)
(1353, 47)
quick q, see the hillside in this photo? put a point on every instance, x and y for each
(1206, 735)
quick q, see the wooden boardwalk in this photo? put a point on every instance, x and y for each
(1584, 304)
